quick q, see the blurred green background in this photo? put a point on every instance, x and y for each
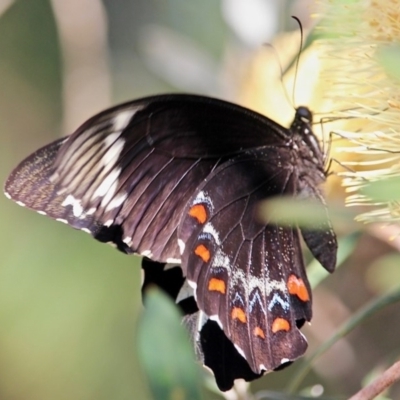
(69, 305)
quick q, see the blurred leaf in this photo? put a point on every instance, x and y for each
(383, 190)
(384, 273)
(389, 58)
(356, 319)
(67, 309)
(329, 23)
(316, 273)
(306, 213)
(291, 211)
(165, 352)
(178, 60)
(4, 6)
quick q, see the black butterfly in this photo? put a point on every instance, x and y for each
(177, 179)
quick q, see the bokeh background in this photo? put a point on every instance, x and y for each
(69, 305)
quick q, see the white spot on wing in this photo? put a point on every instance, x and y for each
(217, 320)
(7, 195)
(85, 230)
(91, 211)
(221, 260)
(276, 299)
(239, 350)
(112, 154)
(41, 212)
(194, 286)
(239, 298)
(116, 201)
(208, 228)
(284, 360)
(263, 283)
(110, 139)
(170, 266)
(273, 284)
(122, 119)
(127, 240)
(202, 197)
(20, 203)
(173, 260)
(77, 209)
(185, 292)
(146, 253)
(181, 246)
(201, 320)
(110, 194)
(256, 298)
(64, 221)
(104, 190)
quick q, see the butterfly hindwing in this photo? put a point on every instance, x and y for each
(249, 276)
(212, 347)
(321, 239)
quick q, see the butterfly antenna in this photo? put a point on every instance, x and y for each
(281, 72)
(298, 57)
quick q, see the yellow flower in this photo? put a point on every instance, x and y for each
(361, 41)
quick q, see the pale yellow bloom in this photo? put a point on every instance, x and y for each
(344, 75)
(359, 35)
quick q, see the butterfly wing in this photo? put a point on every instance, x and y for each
(321, 239)
(136, 174)
(29, 183)
(126, 174)
(212, 347)
(249, 276)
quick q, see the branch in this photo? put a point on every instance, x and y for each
(390, 376)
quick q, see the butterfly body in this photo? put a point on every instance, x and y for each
(178, 179)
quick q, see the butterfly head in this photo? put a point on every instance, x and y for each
(304, 115)
(308, 143)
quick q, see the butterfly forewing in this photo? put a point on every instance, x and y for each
(126, 173)
(29, 184)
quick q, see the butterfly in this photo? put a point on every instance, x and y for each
(178, 180)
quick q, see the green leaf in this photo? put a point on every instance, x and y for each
(383, 274)
(306, 213)
(383, 190)
(291, 211)
(165, 351)
(389, 58)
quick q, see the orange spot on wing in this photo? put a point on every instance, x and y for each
(259, 332)
(202, 252)
(297, 287)
(199, 212)
(280, 324)
(238, 313)
(216, 285)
